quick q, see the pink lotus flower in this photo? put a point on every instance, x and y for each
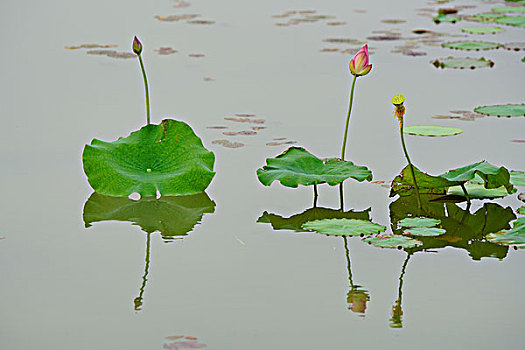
(359, 64)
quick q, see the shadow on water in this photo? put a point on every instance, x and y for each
(173, 217)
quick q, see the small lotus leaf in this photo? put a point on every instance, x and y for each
(431, 130)
(478, 191)
(419, 222)
(516, 21)
(344, 227)
(486, 17)
(462, 63)
(446, 18)
(471, 45)
(482, 30)
(393, 241)
(514, 236)
(296, 166)
(168, 158)
(425, 231)
(508, 110)
(521, 210)
(510, 9)
(492, 176)
(517, 178)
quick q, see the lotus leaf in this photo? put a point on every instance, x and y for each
(344, 227)
(492, 176)
(431, 130)
(424, 231)
(508, 110)
(168, 158)
(446, 18)
(478, 191)
(517, 178)
(482, 30)
(510, 9)
(419, 222)
(471, 45)
(521, 210)
(393, 241)
(516, 21)
(516, 46)
(171, 216)
(462, 63)
(514, 236)
(403, 184)
(296, 166)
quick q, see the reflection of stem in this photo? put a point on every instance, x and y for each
(315, 195)
(465, 193)
(397, 310)
(138, 300)
(348, 263)
(410, 163)
(145, 89)
(341, 196)
(348, 118)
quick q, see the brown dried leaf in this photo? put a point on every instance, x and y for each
(227, 144)
(166, 51)
(245, 120)
(174, 18)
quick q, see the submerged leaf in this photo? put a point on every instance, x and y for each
(296, 166)
(168, 158)
(431, 130)
(344, 227)
(508, 110)
(393, 241)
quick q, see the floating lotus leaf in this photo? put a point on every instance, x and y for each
(424, 231)
(171, 216)
(168, 158)
(482, 30)
(509, 110)
(344, 227)
(419, 222)
(296, 222)
(296, 166)
(471, 45)
(462, 63)
(431, 130)
(516, 21)
(403, 184)
(446, 18)
(492, 176)
(521, 210)
(514, 46)
(486, 17)
(514, 236)
(517, 178)
(393, 241)
(510, 9)
(478, 191)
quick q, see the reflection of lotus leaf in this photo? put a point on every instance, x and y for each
(510, 9)
(482, 30)
(168, 158)
(431, 130)
(424, 231)
(296, 166)
(393, 241)
(509, 110)
(462, 63)
(516, 21)
(171, 216)
(418, 222)
(344, 227)
(296, 222)
(471, 45)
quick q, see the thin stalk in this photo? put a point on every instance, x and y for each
(348, 117)
(465, 193)
(341, 201)
(138, 300)
(348, 267)
(409, 162)
(315, 195)
(145, 89)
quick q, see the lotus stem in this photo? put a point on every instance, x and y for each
(348, 117)
(465, 193)
(341, 201)
(409, 162)
(148, 121)
(138, 300)
(348, 267)
(315, 195)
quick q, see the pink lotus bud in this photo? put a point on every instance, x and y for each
(137, 46)
(359, 64)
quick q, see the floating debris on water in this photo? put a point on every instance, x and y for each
(227, 144)
(175, 18)
(166, 51)
(90, 46)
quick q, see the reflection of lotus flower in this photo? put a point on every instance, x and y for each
(359, 64)
(137, 46)
(356, 300)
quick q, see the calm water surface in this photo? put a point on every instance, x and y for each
(232, 282)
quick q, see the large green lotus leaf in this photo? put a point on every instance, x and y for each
(168, 158)
(471, 45)
(296, 166)
(462, 63)
(517, 178)
(509, 110)
(482, 30)
(431, 130)
(171, 216)
(403, 184)
(424, 231)
(419, 222)
(492, 176)
(393, 241)
(296, 222)
(510, 9)
(479, 191)
(344, 227)
(516, 21)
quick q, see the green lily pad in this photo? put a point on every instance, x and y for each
(478, 191)
(521, 210)
(431, 130)
(393, 241)
(446, 19)
(419, 222)
(403, 184)
(515, 21)
(168, 158)
(514, 236)
(424, 231)
(508, 110)
(171, 216)
(492, 176)
(462, 63)
(510, 9)
(485, 17)
(517, 178)
(482, 30)
(344, 227)
(296, 166)
(471, 45)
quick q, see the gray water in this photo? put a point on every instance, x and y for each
(234, 283)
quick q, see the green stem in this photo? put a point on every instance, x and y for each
(465, 193)
(348, 118)
(341, 201)
(316, 195)
(410, 163)
(348, 267)
(145, 89)
(138, 300)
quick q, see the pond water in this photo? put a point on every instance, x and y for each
(234, 282)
